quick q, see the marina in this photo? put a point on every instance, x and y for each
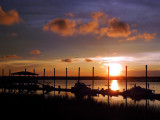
(28, 82)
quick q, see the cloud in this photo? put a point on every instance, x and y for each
(99, 16)
(10, 57)
(35, 52)
(9, 18)
(90, 27)
(146, 36)
(66, 60)
(99, 25)
(117, 28)
(93, 25)
(63, 27)
(88, 60)
(14, 34)
(70, 14)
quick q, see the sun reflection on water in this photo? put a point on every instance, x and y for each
(114, 85)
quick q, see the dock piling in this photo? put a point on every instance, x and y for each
(108, 78)
(25, 72)
(44, 78)
(146, 77)
(93, 79)
(2, 72)
(9, 72)
(78, 75)
(126, 78)
(66, 78)
(54, 77)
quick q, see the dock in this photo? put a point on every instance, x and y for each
(27, 82)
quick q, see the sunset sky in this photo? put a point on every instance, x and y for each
(80, 33)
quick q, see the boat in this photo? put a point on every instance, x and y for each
(81, 88)
(138, 93)
(109, 92)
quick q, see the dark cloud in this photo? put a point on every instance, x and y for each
(117, 28)
(67, 60)
(88, 60)
(63, 27)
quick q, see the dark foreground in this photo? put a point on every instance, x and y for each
(72, 108)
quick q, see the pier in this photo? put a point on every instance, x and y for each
(28, 82)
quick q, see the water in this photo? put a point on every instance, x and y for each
(115, 85)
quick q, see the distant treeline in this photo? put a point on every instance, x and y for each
(130, 79)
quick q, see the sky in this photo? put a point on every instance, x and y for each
(80, 33)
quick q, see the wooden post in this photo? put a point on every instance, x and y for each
(126, 102)
(93, 79)
(126, 78)
(25, 73)
(54, 77)
(108, 99)
(108, 78)
(44, 78)
(9, 72)
(2, 72)
(34, 71)
(66, 78)
(79, 75)
(146, 77)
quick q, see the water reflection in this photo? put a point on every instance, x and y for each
(114, 85)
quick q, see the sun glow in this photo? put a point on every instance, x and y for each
(114, 85)
(115, 69)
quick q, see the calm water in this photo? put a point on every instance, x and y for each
(115, 84)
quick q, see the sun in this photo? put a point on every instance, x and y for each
(115, 69)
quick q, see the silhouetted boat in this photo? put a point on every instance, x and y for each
(48, 87)
(110, 92)
(81, 88)
(137, 90)
(138, 93)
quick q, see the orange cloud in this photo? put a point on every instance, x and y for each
(117, 28)
(35, 52)
(93, 25)
(10, 57)
(99, 25)
(90, 27)
(145, 36)
(88, 60)
(14, 34)
(9, 18)
(66, 60)
(70, 14)
(99, 16)
(135, 31)
(63, 27)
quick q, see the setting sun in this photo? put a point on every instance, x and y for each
(114, 85)
(115, 69)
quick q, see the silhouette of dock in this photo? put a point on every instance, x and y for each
(25, 81)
